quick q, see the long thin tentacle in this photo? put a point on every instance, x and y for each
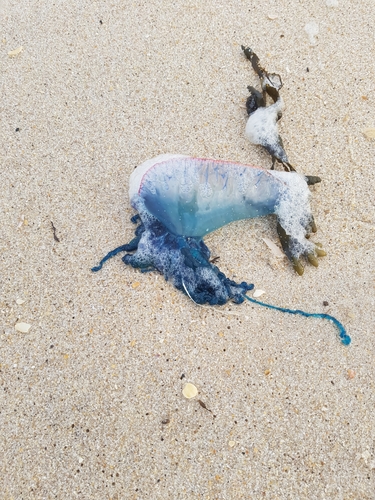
(123, 248)
(344, 337)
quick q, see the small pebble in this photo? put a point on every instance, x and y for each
(351, 374)
(20, 301)
(135, 284)
(189, 391)
(232, 443)
(258, 293)
(22, 327)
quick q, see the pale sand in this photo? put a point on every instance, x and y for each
(84, 393)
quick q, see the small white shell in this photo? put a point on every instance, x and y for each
(258, 293)
(189, 391)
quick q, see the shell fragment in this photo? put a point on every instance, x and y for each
(189, 391)
(277, 252)
(369, 133)
(15, 52)
(22, 327)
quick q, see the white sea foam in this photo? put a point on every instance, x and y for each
(293, 210)
(261, 127)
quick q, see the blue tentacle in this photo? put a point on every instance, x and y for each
(123, 248)
(344, 337)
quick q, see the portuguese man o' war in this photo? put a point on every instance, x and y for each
(180, 199)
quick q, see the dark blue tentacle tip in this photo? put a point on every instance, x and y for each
(96, 268)
(247, 286)
(135, 218)
(345, 339)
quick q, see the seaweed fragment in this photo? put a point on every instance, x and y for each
(54, 233)
(204, 406)
(261, 127)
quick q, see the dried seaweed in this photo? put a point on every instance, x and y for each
(262, 127)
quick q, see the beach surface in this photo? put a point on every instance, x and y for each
(91, 402)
